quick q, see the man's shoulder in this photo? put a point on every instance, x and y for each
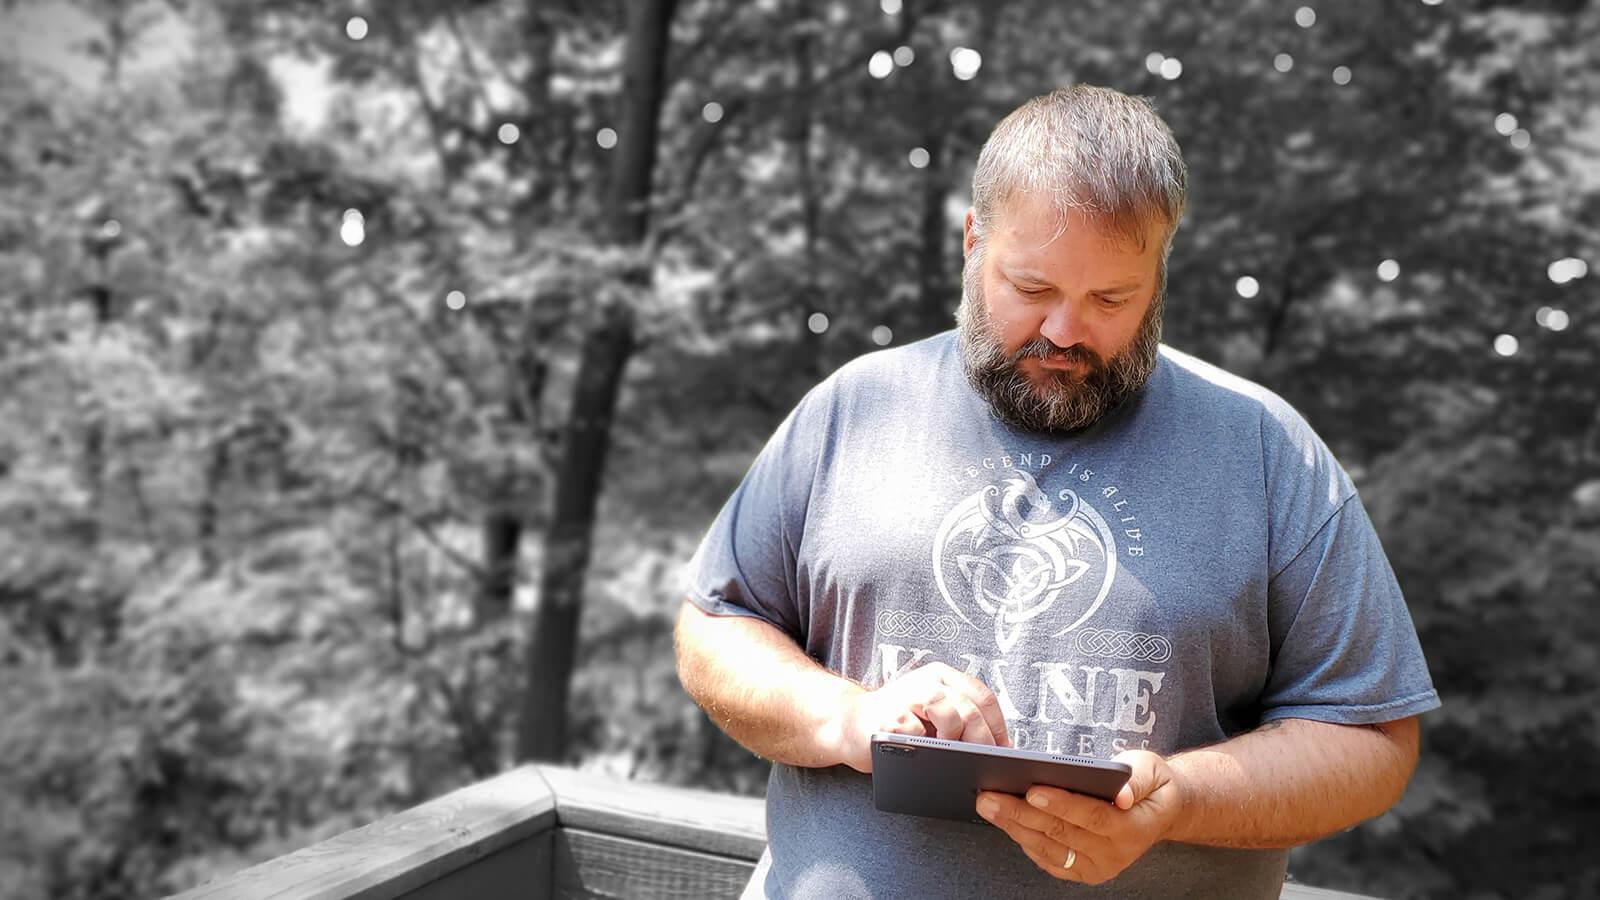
(1218, 391)
(1214, 399)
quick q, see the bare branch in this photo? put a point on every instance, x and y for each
(394, 507)
(453, 22)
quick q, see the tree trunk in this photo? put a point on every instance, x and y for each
(936, 294)
(210, 506)
(802, 125)
(502, 534)
(552, 646)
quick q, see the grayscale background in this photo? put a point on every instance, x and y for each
(368, 370)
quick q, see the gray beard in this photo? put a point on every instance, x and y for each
(1063, 402)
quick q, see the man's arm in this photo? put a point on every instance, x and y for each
(1284, 784)
(759, 686)
(766, 693)
(1291, 781)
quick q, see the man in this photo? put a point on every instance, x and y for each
(1047, 530)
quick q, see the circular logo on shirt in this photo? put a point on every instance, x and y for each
(1011, 552)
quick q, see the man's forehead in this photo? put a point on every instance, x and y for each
(1033, 225)
(1112, 257)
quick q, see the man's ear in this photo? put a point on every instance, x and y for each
(968, 237)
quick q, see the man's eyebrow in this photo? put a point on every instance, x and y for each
(1026, 274)
(1122, 287)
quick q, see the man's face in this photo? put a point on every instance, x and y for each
(1056, 330)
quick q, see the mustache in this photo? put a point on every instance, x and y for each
(1043, 348)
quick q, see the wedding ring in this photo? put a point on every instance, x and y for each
(1072, 857)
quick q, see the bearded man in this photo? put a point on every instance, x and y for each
(1045, 529)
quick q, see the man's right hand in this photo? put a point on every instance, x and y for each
(932, 701)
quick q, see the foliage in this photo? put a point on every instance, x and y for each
(269, 501)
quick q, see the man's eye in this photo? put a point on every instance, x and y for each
(1025, 290)
(1111, 301)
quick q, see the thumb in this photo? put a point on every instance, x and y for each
(1148, 775)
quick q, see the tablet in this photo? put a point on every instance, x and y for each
(923, 776)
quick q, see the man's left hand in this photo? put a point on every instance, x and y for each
(1100, 838)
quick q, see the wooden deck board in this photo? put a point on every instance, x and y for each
(539, 832)
(520, 871)
(720, 824)
(594, 866)
(404, 851)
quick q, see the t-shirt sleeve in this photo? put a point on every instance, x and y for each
(745, 565)
(1344, 649)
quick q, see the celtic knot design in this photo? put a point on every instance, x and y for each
(1135, 645)
(1010, 552)
(901, 623)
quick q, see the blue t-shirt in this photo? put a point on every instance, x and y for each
(1191, 566)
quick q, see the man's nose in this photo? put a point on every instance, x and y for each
(1064, 324)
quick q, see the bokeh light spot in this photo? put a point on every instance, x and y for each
(1171, 68)
(1541, 317)
(965, 61)
(606, 138)
(353, 230)
(356, 28)
(712, 112)
(880, 65)
(509, 133)
(1283, 62)
(1567, 269)
(1247, 287)
(1558, 320)
(1153, 63)
(881, 335)
(1305, 17)
(110, 229)
(1388, 270)
(817, 322)
(455, 299)
(1520, 139)
(890, 7)
(1341, 75)
(904, 56)
(918, 158)
(1505, 123)
(1505, 345)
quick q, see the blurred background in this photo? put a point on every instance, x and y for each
(368, 371)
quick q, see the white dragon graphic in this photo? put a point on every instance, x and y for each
(1020, 554)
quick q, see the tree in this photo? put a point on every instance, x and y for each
(338, 445)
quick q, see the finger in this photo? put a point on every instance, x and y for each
(974, 728)
(1005, 807)
(1091, 814)
(1015, 809)
(1051, 861)
(1144, 781)
(946, 717)
(997, 812)
(923, 710)
(984, 699)
(1046, 852)
(904, 723)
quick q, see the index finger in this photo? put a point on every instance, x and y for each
(983, 699)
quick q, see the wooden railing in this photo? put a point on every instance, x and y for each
(537, 832)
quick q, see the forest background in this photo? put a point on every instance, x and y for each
(368, 370)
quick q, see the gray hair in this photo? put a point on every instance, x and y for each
(1092, 150)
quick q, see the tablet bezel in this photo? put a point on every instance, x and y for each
(924, 776)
